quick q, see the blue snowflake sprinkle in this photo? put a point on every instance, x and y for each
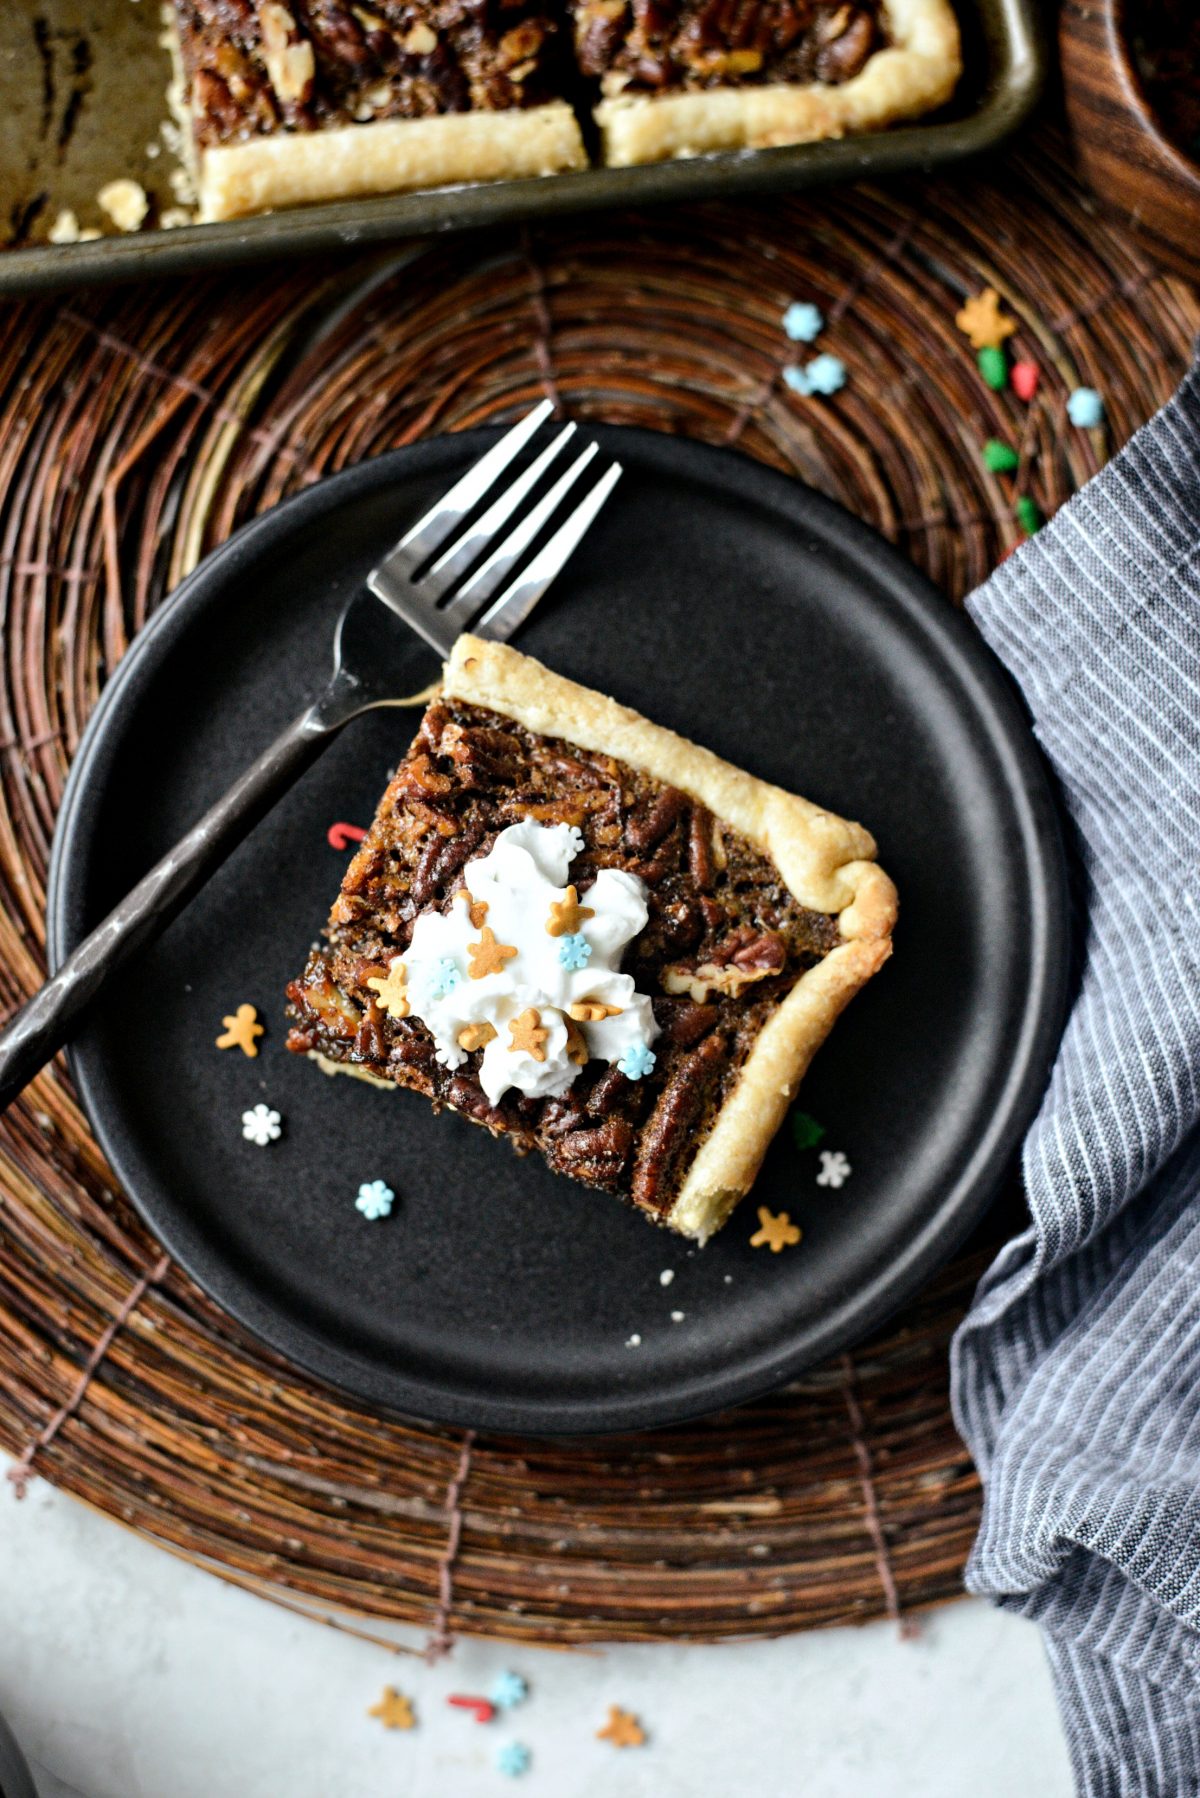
(796, 378)
(803, 322)
(512, 1758)
(826, 374)
(508, 1690)
(575, 951)
(1085, 408)
(375, 1199)
(442, 978)
(636, 1061)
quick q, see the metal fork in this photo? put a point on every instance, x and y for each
(462, 586)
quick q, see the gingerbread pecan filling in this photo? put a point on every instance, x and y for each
(724, 942)
(309, 64)
(654, 45)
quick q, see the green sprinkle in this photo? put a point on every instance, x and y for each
(993, 366)
(999, 457)
(806, 1131)
(1028, 516)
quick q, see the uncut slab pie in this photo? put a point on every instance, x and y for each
(317, 100)
(589, 935)
(681, 77)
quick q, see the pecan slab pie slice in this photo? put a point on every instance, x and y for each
(593, 937)
(680, 77)
(328, 99)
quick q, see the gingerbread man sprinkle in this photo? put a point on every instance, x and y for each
(394, 1710)
(566, 914)
(487, 955)
(476, 1036)
(242, 1031)
(528, 1035)
(983, 322)
(622, 1729)
(393, 990)
(776, 1231)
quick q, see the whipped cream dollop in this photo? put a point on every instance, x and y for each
(526, 968)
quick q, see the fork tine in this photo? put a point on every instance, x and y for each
(515, 604)
(485, 582)
(459, 557)
(437, 524)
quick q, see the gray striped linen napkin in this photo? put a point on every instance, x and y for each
(1076, 1375)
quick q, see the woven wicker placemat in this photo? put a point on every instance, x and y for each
(137, 429)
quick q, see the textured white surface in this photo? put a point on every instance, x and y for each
(126, 1674)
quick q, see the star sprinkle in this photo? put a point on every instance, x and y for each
(394, 1710)
(375, 1199)
(993, 366)
(592, 1011)
(1000, 457)
(512, 1758)
(637, 1061)
(983, 322)
(527, 1035)
(261, 1125)
(776, 1231)
(242, 1031)
(476, 1036)
(622, 1729)
(566, 914)
(577, 1049)
(477, 909)
(803, 322)
(835, 1169)
(1085, 408)
(1026, 379)
(487, 955)
(1028, 515)
(806, 1132)
(392, 989)
(508, 1690)
(574, 952)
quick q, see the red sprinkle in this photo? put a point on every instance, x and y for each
(338, 835)
(483, 1708)
(1025, 377)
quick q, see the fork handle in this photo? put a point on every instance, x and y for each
(43, 1025)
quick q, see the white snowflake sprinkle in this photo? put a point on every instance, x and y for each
(677, 1317)
(261, 1125)
(729, 1279)
(835, 1169)
(634, 1341)
(666, 1276)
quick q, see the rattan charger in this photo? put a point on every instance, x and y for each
(137, 429)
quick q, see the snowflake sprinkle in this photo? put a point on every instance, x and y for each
(443, 977)
(512, 1758)
(835, 1169)
(261, 1125)
(508, 1690)
(375, 1199)
(1085, 408)
(637, 1061)
(574, 952)
(803, 322)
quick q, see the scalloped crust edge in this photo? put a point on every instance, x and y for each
(827, 863)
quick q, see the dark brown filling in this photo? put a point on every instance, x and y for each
(308, 64)
(720, 917)
(652, 45)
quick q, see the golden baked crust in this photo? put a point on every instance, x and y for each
(388, 156)
(917, 71)
(826, 861)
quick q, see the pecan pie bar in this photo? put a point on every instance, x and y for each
(680, 77)
(593, 937)
(320, 99)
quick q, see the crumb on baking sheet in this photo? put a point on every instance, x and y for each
(125, 202)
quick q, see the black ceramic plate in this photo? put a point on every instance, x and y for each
(743, 609)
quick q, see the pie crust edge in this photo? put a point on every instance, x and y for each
(827, 862)
(916, 72)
